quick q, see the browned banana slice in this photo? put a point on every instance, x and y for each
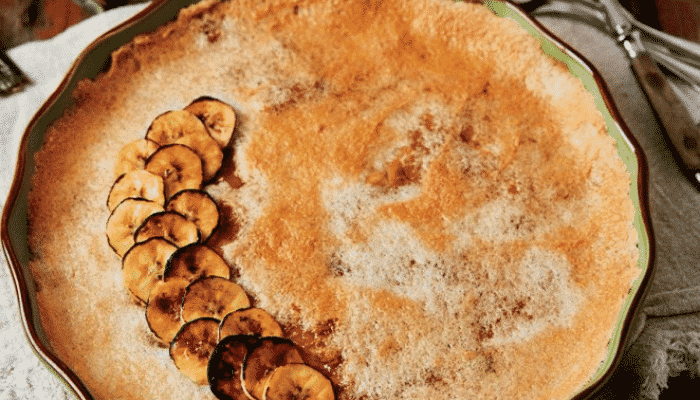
(170, 226)
(297, 382)
(182, 127)
(250, 321)
(194, 261)
(198, 207)
(213, 296)
(143, 266)
(226, 365)
(179, 166)
(268, 354)
(137, 184)
(125, 220)
(163, 309)
(133, 156)
(217, 116)
(192, 347)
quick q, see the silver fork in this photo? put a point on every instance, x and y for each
(646, 49)
(679, 56)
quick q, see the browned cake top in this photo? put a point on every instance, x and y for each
(415, 184)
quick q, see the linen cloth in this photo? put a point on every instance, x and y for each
(667, 336)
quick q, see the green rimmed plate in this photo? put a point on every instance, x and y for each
(91, 62)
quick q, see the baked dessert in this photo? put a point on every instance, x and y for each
(427, 204)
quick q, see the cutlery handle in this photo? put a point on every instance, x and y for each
(671, 112)
(12, 79)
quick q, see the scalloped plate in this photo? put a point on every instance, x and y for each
(95, 59)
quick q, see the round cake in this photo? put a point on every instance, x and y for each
(428, 205)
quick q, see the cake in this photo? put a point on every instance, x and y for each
(428, 205)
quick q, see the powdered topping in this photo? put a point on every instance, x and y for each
(408, 195)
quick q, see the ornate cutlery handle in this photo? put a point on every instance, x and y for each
(671, 112)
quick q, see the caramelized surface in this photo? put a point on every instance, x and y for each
(430, 206)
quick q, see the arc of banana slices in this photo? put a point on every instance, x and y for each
(213, 334)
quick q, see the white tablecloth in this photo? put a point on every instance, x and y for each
(669, 343)
(22, 374)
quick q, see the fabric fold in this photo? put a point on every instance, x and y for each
(677, 302)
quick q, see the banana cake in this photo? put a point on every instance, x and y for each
(409, 199)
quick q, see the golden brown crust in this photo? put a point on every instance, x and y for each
(413, 177)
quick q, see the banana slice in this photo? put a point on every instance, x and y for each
(192, 347)
(182, 127)
(226, 365)
(143, 266)
(163, 309)
(125, 220)
(268, 354)
(170, 226)
(217, 116)
(213, 296)
(297, 382)
(194, 261)
(197, 206)
(136, 184)
(133, 156)
(178, 165)
(250, 321)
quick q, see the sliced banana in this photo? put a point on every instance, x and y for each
(170, 226)
(217, 116)
(268, 354)
(143, 265)
(213, 296)
(226, 366)
(178, 165)
(163, 309)
(198, 207)
(194, 261)
(182, 127)
(297, 382)
(192, 347)
(137, 184)
(133, 156)
(125, 220)
(249, 321)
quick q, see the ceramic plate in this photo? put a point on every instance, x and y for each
(96, 58)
